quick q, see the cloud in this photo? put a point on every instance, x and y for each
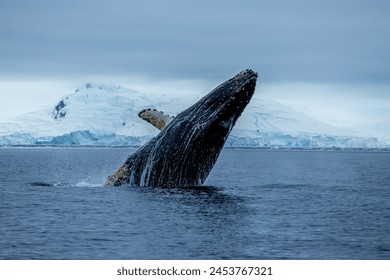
(305, 41)
(336, 104)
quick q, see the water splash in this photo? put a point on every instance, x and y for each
(81, 184)
(86, 184)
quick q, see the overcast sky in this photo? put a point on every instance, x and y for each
(47, 46)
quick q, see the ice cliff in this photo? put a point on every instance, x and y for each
(106, 115)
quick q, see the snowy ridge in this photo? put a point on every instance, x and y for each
(107, 115)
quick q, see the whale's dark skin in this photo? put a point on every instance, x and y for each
(184, 153)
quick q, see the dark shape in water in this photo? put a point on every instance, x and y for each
(184, 153)
(41, 184)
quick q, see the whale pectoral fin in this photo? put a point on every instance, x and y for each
(156, 118)
(119, 177)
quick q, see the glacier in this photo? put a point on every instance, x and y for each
(107, 115)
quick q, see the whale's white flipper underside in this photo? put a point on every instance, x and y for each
(156, 118)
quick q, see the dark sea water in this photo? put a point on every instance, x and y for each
(257, 204)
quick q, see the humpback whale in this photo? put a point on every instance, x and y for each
(188, 146)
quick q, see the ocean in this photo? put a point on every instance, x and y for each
(256, 204)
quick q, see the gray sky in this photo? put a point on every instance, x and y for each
(49, 43)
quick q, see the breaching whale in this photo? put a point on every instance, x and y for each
(185, 151)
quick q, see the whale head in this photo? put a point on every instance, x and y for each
(217, 112)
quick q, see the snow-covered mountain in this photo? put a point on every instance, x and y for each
(97, 114)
